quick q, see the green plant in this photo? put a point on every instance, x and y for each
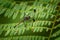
(43, 22)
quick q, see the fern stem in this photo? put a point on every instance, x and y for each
(52, 28)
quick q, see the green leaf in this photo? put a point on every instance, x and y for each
(57, 38)
(2, 11)
(15, 14)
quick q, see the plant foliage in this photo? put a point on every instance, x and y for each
(29, 19)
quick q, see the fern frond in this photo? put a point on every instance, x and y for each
(43, 24)
(24, 38)
(57, 26)
(57, 38)
(40, 29)
(56, 33)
